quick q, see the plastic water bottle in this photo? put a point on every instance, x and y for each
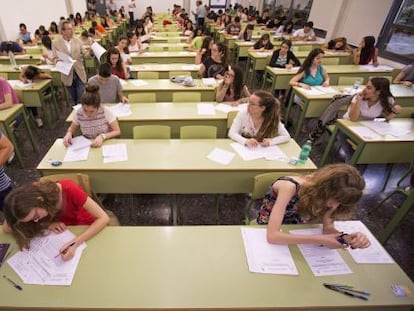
(305, 152)
(357, 83)
(12, 60)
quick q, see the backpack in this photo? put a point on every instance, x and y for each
(330, 115)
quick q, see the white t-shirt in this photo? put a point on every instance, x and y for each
(300, 33)
(369, 113)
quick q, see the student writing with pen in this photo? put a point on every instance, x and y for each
(32, 208)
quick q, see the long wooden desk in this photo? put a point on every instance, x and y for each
(196, 268)
(171, 166)
(21, 59)
(281, 77)
(166, 46)
(186, 57)
(385, 149)
(163, 39)
(314, 105)
(174, 115)
(164, 69)
(164, 89)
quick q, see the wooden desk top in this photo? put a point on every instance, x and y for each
(172, 54)
(196, 268)
(5, 114)
(163, 67)
(165, 85)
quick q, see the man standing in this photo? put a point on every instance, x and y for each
(131, 8)
(200, 13)
(76, 78)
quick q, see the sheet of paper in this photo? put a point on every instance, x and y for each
(365, 132)
(265, 54)
(64, 67)
(19, 84)
(145, 37)
(209, 81)
(123, 82)
(98, 50)
(227, 108)
(377, 68)
(206, 109)
(326, 90)
(137, 82)
(121, 110)
(221, 156)
(388, 128)
(247, 154)
(76, 155)
(40, 266)
(79, 142)
(374, 254)
(263, 257)
(64, 57)
(321, 260)
(114, 153)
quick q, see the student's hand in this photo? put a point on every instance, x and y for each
(305, 86)
(97, 142)
(235, 103)
(251, 143)
(125, 100)
(289, 66)
(375, 64)
(67, 251)
(330, 241)
(67, 140)
(358, 240)
(325, 84)
(265, 142)
(407, 83)
(57, 227)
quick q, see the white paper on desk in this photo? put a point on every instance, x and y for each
(19, 84)
(123, 82)
(321, 260)
(76, 155)
(46, 67)
(374, 254)
(326, 89)
(264, 53)
(221, 156)
(190, 67)
(248, 154)
(39, 266)
(312, 92)
(79, 142)
(209, 81)
(145, 37)
(206, 109)
(121, 110)
(377, 68)
(365, 132)
(114, 153)
(293, 69)
(263, 257)
(98, 50)
(387, 128)
(138, 82)
(227, 108)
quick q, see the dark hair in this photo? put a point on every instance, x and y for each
(105, 70)
(22, 25)
(222, 49)
(126, 50)
(31, 72)
(140, 25)
(114, 50)
(85, 33)
(367, 50)
(53, 27)
(271, 115)
(47, 42)
(90, 96)
(308, 24)
(248, 27)
(94, 24)
(92, 31)
(237, 19)
(287, 42)
(288, 27)
(382, 85)
(307, 64)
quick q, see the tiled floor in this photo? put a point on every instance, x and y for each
(201, 209)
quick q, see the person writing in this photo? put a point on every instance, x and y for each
(259, 124)
(95, 122)
(337, 45)
(406, 76)
(215, 65)
(325, 195)
(232, 89)
(284, 57)
(306, 33)
(366, 52)
(32, 208)
(263, 44)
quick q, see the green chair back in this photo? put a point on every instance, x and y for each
(345, 80)
(178, 73)
(142, 98)
(198, 131)
(156, 48)
(176, 48)
(148, 75)
(330, 61)
(230, 117)
(186, 97)
(152, 132)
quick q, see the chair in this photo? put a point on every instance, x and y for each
(151, 132)
(186, 97)
(345, 80)
(83, 180)
(330, 60)
(198, 131)
(142, 98)
(178, 73)
(173, 40)
(230, 117)
(261, 184)
(155, 48)
(4, 75)
(177, 48)
(304, 48)
(148, 75)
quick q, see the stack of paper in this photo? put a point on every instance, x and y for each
(121, 110)
(138, 82)
(206, 109)
(65, 63)
(247, 154)
(209, 81)
(221, 156)
(227, 108)
(114, 153)
(78, 150)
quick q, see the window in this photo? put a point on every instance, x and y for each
(295, 10)
(396, 40)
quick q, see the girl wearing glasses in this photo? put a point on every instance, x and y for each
(233, 89)
(260, 123)
(32, 208)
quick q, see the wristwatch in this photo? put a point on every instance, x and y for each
(103, 136)
(341, 239)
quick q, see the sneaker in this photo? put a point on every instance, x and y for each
(39, 122)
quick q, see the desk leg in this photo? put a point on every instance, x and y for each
(329, 147)
(246, 74)
(357, 154)
(29, 131)
(299, 123)
(12, 138)
(290, 103)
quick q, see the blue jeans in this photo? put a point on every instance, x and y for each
(76, 89)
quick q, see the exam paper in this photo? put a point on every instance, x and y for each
(206, 109)
(227, 108)
(98, 50)
(79, 142)
(76, 155)
(374, 254)
(365, 132)
(19, 84)
(65, 63)
(221, 156)
(40, 266)
(138, 82)
(114, 153)
(387, 128)
(121, 110)
(321, 260)
(247, 154)
(263, 257)
(209, 81)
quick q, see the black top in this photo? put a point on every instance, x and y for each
(213, 68)
(290, 57)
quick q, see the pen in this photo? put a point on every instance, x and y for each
(345, 292)
(66, 249)
(349, 289)
(16, 286)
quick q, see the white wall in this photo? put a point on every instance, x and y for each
(78, 6)
(325, 14)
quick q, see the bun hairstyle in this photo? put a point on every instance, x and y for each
(91, 97)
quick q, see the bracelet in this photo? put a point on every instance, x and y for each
(342, 240)
(103, 136)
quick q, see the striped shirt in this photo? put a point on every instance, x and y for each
(96, 125)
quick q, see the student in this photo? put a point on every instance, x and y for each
(113, 57)
(260, 123)
(306, 33)
(6, 154)
(34, 207)
(284, 57)
(188, 28)
(53, 28)
(85, 39)
(324, 195)
(264, 18)
(134, 43)
(110, 88)
(11, 46)
(311, 73)
(406, 76)
(123, 50)
(196, 39)
(98, 28)
(247, 34)
(366, 52)
(263, 44)
(24, 37)
(286, 29)
(205, 50)
(215, 65)
(233, 89)
(274, 23)
(234, 28)
(374, 100)
(95, 121)
(338, 44)
(8, 96)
